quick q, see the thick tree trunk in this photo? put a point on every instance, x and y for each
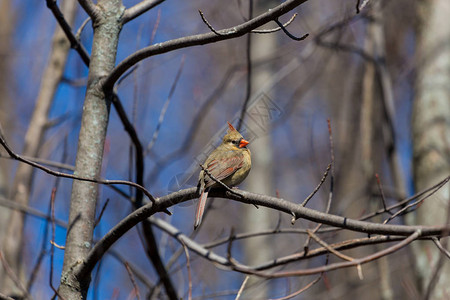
(261, 177)
(88, 163)
(431, 136)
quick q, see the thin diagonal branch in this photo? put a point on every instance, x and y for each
(90, 8)
(441, 247)
(74, 42)
(328, 247)
(71, 176)
(207, 23)
(138, 9)
(13, 276)
(318, 186)
(417, 202)
(165, 106)
(296, 293)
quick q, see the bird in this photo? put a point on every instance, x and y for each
(230, 163)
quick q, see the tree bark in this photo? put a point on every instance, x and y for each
(107, 26)
(261, 177)
(431, 136)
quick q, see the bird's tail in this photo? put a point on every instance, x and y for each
(200, 208)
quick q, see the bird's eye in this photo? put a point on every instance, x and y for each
(235, 142)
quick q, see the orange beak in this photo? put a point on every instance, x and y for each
(243, 143)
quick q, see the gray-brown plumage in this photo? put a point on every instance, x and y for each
(230, 163)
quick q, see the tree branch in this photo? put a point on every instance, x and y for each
(199, 39)
(138, 9)
(340, 265)
(74, 43)
(65, 175)
(279, 204)
(90, 8)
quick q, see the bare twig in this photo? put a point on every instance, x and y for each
(380, 188)
(140, 274)
(188, 266)
(58, 165)
(81, 28)
(101, 213)
(28, 210)
(417, 202)
(166, 105)
(65, 175)
(52, 241)
(441, 247)
(328, 247)
(432, 189)
(155, 28)
(125, 76)
(290, 34)
(437, 268)
(133, 281)
(13, 276)
(45, 162)
(262, 31)
(230, 244)
(57, 246)
(296, 293)
(138, 9)
(318, 186)
(74, 43)
(241, 289)
(207, 23)
(330, 194)
(4, 297)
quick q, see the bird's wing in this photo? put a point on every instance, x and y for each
(223, 167)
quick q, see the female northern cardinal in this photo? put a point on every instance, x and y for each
(230, 163)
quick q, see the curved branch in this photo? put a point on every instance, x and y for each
(290, 34)
(199, 39)
(207, 23)
(279, 204)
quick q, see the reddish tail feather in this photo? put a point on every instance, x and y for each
(200, 208)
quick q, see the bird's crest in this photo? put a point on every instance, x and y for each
(231, 127)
